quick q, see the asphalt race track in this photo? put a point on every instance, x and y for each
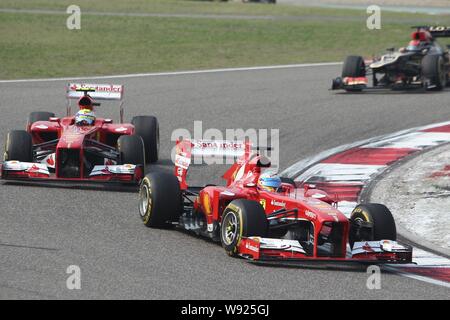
(44, 230)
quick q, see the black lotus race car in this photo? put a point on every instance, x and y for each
(424, 63)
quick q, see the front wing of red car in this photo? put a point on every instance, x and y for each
(259, 249)
(126, 173)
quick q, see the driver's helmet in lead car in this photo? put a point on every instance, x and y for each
(269, 182)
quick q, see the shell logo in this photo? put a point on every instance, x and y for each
(206, 202)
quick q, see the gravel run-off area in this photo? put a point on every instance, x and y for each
(418, 194)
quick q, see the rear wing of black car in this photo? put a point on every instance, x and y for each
(439, 31)
(435, 31)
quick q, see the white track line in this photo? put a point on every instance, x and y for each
(178, 73)
(417, 277)
(154, 14)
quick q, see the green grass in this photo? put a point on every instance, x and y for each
(38, 45)
(189, 6)
(170, 6)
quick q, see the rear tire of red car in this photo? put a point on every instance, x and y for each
(131, 150)
(378, 220)
(160, 200)
(19, 146)
(242, 218)
(148, 128)
(39, 116)
(354, 67)
(433, 70)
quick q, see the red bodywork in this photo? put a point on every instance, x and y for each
(311, 208)
(65, 151)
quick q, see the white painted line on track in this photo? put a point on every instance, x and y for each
(417, 277)
(178, 73)
(154, 14)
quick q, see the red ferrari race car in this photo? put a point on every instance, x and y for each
(82, 147)
(265, 222)
(424, 63)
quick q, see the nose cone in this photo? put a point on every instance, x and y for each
(73, 137)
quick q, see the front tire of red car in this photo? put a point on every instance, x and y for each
(131, 150)
(160, 200)
(242, 218)
(371, 222)
(19, 146)
(147, 127)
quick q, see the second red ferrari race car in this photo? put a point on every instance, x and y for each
(82, 147)
(264, 218)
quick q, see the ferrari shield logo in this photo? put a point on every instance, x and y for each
(262, 202)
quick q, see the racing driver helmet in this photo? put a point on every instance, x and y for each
(84, 117)
(421, 39)
(269, 182)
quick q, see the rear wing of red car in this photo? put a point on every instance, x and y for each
(114, 92)
(187, 149)
(96, 91)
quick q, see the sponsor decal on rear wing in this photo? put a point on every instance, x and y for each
(187, 149)
(212, 148)
(95, 91)
(439, 31)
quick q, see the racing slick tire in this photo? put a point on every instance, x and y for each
(378, 216)
(148, 128)
(354, 67)
(39, 116)
(19, 146)
(433, 70)
(242, 218)
(131, 150)
(160, 200)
